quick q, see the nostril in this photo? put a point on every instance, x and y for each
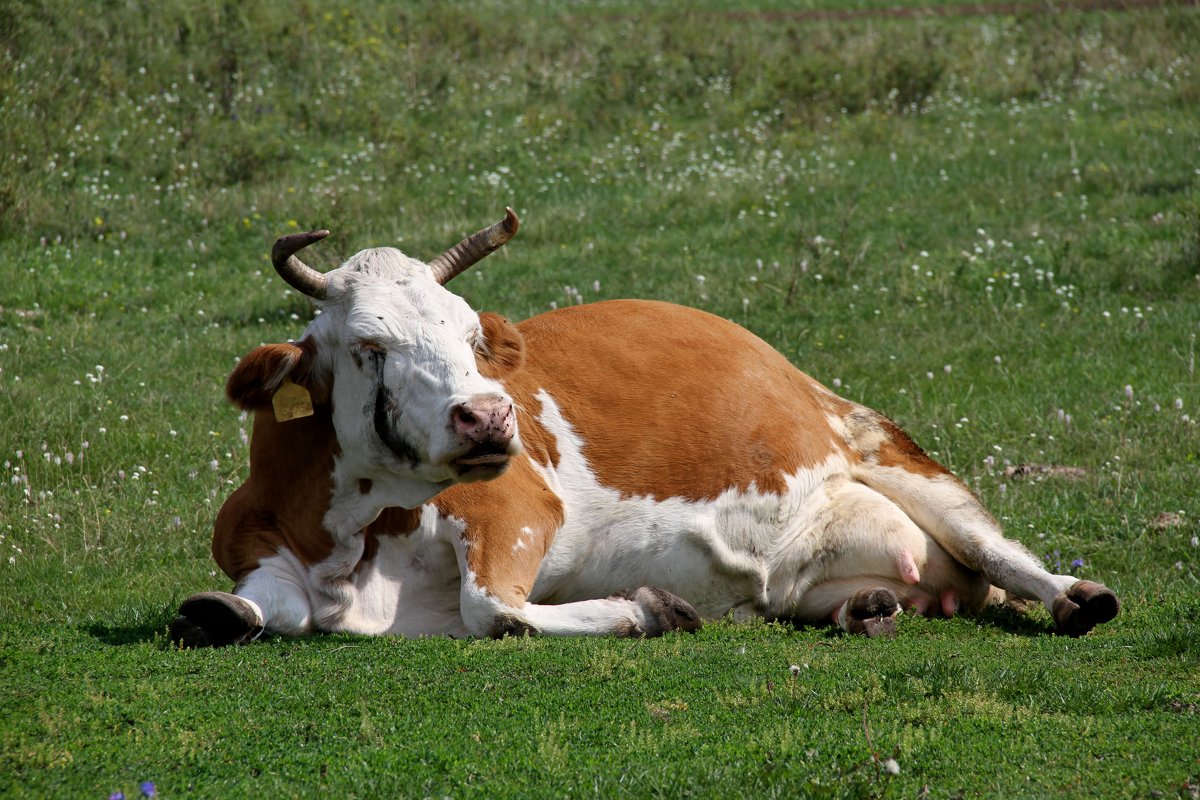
(464, 420)
(490, 419)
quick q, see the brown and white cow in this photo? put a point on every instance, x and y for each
(624, 467)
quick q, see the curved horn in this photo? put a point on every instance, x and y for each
(474, 247)
(299, 275)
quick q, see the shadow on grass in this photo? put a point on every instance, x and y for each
(142, 626)
(1004, 617)
(1012, 620)
(137, 626)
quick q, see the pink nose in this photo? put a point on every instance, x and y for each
(486, 418)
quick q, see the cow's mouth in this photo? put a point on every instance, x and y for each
(485, 457)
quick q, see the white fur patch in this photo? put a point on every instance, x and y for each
(717, 554)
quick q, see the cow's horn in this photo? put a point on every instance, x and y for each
(298, 274)
(474, 247)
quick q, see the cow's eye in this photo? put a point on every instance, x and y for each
(368, 346)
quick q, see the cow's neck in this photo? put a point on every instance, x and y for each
(361, 491)
(294, 460)
(300, 459)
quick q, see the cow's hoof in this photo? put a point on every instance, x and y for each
(871, 612)
(663, 612)
(505, 625)
(1082, 607)
(215, 619)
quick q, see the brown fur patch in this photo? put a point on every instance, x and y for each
(502, 350)
(726, 411)
(496, 512)
(899, 450)
(283, 502)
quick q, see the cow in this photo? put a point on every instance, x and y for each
(625, 467)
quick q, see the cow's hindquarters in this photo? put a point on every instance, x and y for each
(956, 519)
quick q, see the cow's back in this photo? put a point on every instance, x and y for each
(674, 402)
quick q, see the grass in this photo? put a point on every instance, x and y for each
(987, 227)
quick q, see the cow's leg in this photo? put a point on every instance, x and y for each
(643, 612)
(499, 568)
(500, 554)
(956, 519)
(271, 599)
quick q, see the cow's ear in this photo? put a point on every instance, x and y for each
(264, 369)
(502, 349)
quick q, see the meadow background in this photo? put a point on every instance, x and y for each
(986, 226)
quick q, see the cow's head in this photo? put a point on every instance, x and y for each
(408, 370)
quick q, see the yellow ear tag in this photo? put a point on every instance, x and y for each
(291, 401)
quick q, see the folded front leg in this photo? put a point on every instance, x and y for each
(643, 612)
(501, 553)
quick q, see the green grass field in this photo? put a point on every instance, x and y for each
(987, 227)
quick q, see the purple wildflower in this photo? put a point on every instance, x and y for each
(117, 796)
(1077, 563)
(148, 789)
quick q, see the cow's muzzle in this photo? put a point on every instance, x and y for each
(486, 426)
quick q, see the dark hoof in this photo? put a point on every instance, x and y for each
(511, 626)
(1082, 607)
(872, 612)
(665, 612)
(215, 619)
